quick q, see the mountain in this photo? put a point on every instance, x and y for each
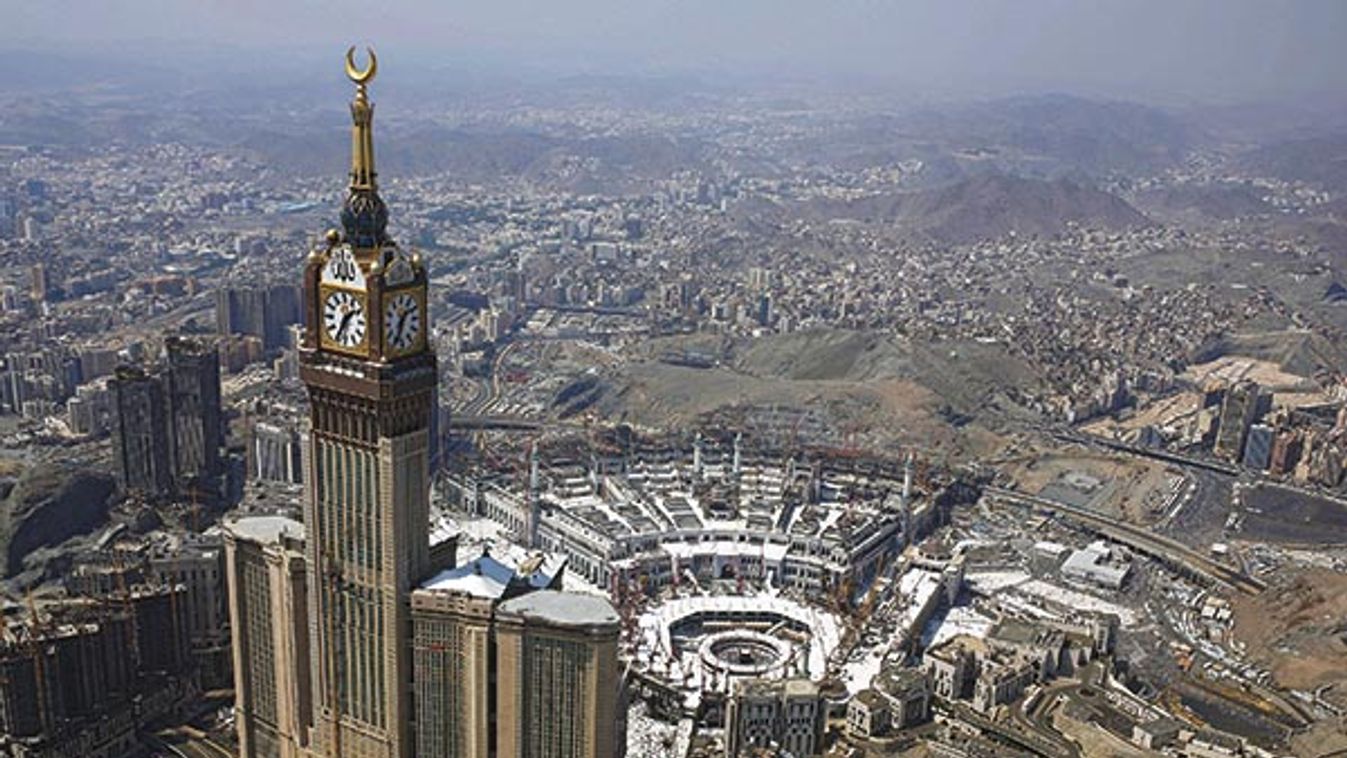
(988, 206)
(1210, 201)
(1319, 160)
(1058, 134)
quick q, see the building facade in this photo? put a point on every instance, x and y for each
(786, 715)
(268, 613)
(196, 428)
(371, 379)
(360, 639)
(140, 434)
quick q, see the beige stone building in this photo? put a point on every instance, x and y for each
(505, 665)
(268, 615)
(786, 714)
(343, 648)
(558, 678)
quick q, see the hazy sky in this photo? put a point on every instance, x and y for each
(1172, 50)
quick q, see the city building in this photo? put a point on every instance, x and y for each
(191, 380)
(454, 636)
(1258, 447)
(908, 693)
(1244, 403)
(265, 312)
(786, 715)
(168, 425)
(558, 679)
(269, 616)
(140, 449)
(196, 563)
(82, 678)
(372, 644)
(275, 452)
(868, 715)
(1098, 563)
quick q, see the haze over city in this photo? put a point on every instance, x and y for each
(593, 379)
(1203, 51)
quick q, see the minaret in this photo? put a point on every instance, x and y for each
(535, 506)
(371, 380)
(907, 499)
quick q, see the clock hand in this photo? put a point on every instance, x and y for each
(345, 322)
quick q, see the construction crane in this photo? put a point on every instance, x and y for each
(35, 632)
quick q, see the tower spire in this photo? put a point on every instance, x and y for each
(364, 215)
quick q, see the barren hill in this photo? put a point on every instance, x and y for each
(990, 206)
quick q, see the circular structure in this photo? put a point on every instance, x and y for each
(703, 643)
(745, 653)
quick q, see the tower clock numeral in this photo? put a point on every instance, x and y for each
(342, 268)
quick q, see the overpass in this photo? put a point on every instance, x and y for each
(496, 423)
(1207, 464)
(1168, 551)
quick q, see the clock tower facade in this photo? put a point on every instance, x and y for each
(371, 377)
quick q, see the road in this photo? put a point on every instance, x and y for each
(1157, 546)
(178, 743)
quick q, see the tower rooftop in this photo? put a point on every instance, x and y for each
(565, 609)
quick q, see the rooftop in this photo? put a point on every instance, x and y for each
(265, 529)
(487, 577)
(562, 608)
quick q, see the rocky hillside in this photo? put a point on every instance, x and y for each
(47, 505)
(991, 206)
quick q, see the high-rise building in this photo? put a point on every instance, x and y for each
(192, 386)
(365, 648)
(196, 563)
(371, 379)
(1286, 447)
(274, 453)
(1258, 447)
(506, 665)
(140, 450)
(269, 622)
(558, 687)
(168, 426)
(1244, 404)
(265, 312)
(38, 279)
(453, 637)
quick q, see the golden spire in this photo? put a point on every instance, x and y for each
(364, 215)
(362, 118)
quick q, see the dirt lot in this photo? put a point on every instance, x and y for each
(1298, 629)
(1131, 488)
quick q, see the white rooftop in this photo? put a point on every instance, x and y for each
(265, 529)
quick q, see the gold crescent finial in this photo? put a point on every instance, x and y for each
(356, 75)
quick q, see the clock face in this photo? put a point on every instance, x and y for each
(344, 318)
(402, 322)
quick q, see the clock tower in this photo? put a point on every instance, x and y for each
(371, 379)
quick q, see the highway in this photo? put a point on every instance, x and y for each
(1155, 545)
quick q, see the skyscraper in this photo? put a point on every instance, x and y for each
(371, 379)
(263, 312)
(192, 386)
(368, 648)
(139, 435)
(269, 622)
(168, 425)
(558, 686)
